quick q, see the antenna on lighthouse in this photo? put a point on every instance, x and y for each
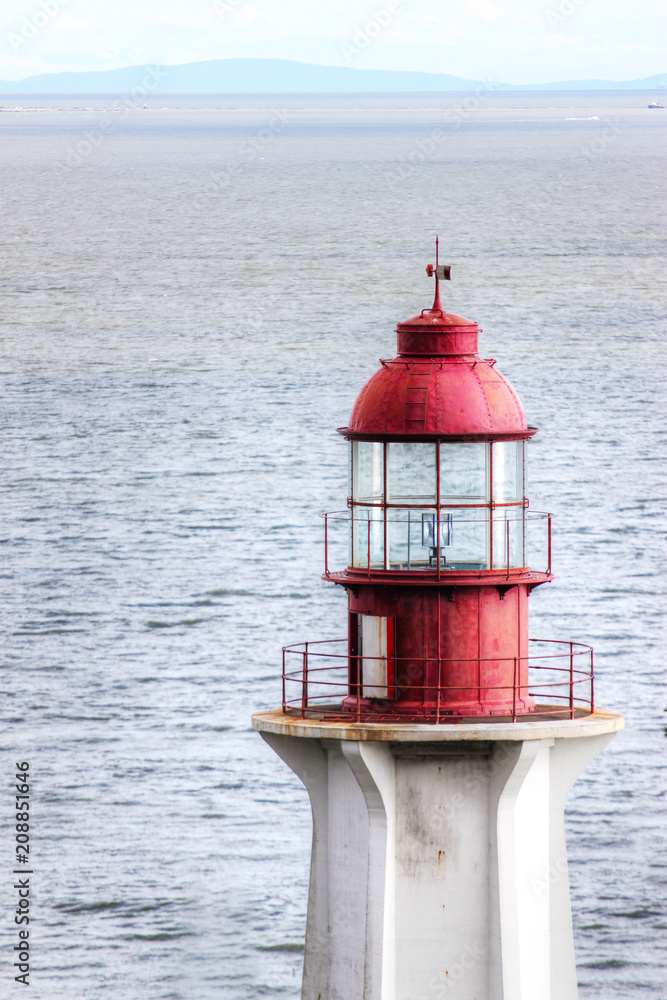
(441, 271)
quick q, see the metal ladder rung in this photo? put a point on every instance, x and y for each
(416, 397)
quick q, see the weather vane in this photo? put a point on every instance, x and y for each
(441, 271)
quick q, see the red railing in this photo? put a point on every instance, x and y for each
(562, 689)
(512, 555)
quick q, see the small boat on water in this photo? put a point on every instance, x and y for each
(654, 104)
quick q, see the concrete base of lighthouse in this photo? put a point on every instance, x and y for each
(439, 861)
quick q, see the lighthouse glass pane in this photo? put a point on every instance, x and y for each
(367, 537)
(368, 471)
(411, 475)
(507, 471)
(464, 475)
(508, 538)
(409, 538)
(468, 536)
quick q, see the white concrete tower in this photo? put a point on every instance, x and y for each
(437, 742)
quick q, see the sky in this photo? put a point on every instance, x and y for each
(510, 41)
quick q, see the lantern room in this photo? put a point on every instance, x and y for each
(420, 506)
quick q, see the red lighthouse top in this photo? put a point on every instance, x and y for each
(442, 549)
(438, 387)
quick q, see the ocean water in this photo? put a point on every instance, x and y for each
(193, 294)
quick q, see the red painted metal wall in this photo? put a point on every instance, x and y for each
(455, 647)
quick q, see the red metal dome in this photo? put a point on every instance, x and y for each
(446, 398)
(438, 386)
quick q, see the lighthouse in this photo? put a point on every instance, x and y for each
(438, 740)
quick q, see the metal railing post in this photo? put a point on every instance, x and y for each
(326, 544)
(284, 698)
(385, 564)
(369, 548)
(436, 527)
(490, 515)
(507, 551)
(549, 544)
(491, 506)
(592, 676)
(514, 693)
(571, 682)
(304, 683)
(523, 522)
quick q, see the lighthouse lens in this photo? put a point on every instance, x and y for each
(430, 532)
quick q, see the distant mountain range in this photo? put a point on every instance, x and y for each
(262, 76)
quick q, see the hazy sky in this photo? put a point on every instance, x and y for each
(534, 41)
